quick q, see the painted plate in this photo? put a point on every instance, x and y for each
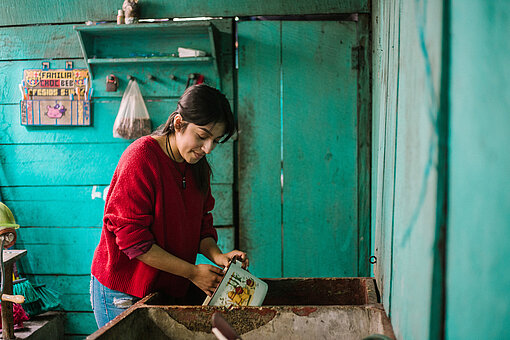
(238, 288)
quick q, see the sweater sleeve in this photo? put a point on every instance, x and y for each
(129, 205)
(207, 229)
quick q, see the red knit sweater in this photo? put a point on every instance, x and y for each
(146, 202)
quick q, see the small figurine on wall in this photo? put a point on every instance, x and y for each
(131, 11)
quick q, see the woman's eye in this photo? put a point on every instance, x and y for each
(201, 137)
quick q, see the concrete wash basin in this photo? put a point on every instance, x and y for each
(294, 308)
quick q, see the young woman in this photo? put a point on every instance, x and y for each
(157, 213)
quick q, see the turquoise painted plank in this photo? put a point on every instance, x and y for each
(259, 146)
(53, 164)
(410, 206)
(83, 205)
(223, 206)
(81, 164)
(80, 323)
(66, 251)
(56, 206)
(22, 12)
(479, 200)
(364, 145)
(39, 42)
(386, 89)
(222, 163)
(320, 164)
(377, 142)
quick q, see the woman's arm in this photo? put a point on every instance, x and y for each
(209, 249)
(205, 277)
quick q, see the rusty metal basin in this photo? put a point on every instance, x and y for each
(297, 308)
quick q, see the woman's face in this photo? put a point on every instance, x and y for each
(195, 141)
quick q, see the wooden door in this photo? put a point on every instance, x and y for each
(301, 163)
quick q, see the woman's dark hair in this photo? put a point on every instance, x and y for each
(201, 105)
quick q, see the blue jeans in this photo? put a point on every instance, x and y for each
(108, 303)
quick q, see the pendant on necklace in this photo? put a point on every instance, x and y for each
(184, 182)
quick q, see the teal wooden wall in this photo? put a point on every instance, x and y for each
(301, 121)
(407, 70)
(440, 175)
(478, 239)
(54, 179)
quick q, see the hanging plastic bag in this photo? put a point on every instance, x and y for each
(133, 120)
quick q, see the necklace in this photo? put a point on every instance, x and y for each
(169, 152)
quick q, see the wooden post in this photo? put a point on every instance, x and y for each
(10, 256)
(7, 314)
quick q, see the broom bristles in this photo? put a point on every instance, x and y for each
(50, 299)
(26, 289)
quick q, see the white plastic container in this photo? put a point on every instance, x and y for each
(238, 288)
(190, 53)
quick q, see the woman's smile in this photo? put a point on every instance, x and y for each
(197, 155)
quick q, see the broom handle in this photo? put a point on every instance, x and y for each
(13, 298)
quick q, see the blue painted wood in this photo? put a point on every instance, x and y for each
(22, 12)
(364, 130)
(66, 251)
(386, 34)
(60, 211)
(259, 146)
(39, 42)
(416, 173)
(407, 176)
(478, 236)
(320, 149)
(37, 206)
(79, 164)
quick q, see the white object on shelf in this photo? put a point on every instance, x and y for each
(189, 52)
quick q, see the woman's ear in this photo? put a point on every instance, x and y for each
(178, 122)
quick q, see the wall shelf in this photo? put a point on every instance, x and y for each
(172, 60)
(109, 48)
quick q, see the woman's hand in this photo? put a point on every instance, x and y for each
(224, 259)
(206, 277)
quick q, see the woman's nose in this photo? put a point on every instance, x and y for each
(208, 146)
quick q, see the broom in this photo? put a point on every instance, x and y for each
(48, 300)
(25, 288)
(38, 299)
